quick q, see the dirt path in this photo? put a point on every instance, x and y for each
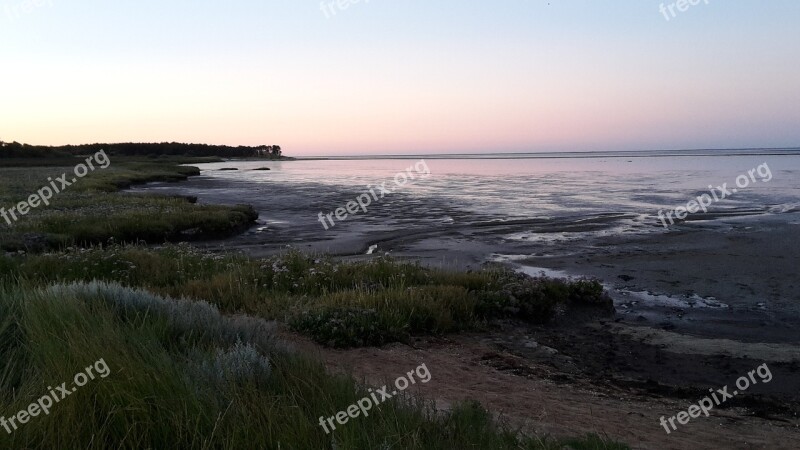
(468, 367)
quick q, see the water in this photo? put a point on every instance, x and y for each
(729, 272)
(542, 187)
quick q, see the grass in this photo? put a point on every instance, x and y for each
(91, 211)
(339, 304)
(184, 376)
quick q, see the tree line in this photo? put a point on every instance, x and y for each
(17, 150)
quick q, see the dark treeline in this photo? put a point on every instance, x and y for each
(17, 150)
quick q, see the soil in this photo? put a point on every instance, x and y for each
(563, 381)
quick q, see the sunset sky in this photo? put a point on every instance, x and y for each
(414, 76)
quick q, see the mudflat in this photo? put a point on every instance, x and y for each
(697, 307)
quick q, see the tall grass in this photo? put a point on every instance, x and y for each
(340, 304)
(183, 376)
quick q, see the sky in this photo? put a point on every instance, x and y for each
(402, 76)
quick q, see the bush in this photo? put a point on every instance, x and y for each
(240, 364)
(346, 327)
(536, 299)
(591, 293)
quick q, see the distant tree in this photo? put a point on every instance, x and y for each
(15, 149)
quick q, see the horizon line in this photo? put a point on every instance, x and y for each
(589, 153)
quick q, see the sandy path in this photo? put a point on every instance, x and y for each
(542, 406)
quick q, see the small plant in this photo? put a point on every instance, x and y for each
(237, 365)
(590, 292)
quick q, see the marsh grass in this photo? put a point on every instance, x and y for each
(91, 211)
(183, 376)
(339, 304)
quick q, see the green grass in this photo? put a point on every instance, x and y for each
(183, 376)
(339, 304)
(91, 211)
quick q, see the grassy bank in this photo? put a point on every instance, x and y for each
(338, 304)
(92, 211)
(181, 375)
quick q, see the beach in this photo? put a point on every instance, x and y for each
(697, 304)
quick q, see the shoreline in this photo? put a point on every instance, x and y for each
(646, 274)
(712, 335)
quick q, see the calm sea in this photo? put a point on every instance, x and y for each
(636, 184)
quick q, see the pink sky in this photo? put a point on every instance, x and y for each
(378, 78)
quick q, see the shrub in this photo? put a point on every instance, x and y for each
(591, 293)
(536, 299)
(237, 365)
(346, 327)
